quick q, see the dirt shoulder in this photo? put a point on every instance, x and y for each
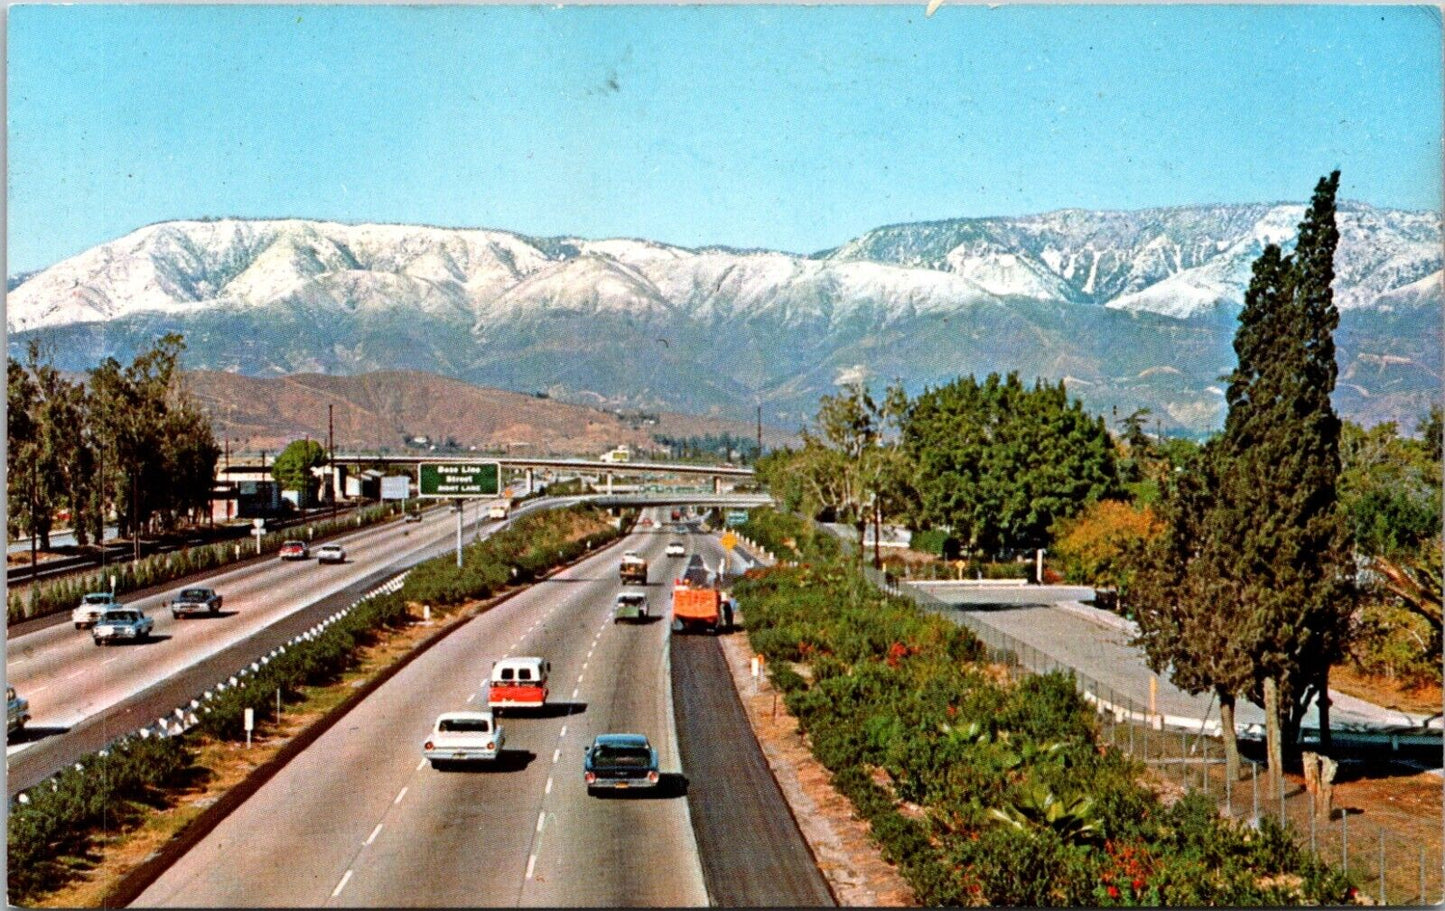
(847, 856)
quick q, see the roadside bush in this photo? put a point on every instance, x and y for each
(1020, 803)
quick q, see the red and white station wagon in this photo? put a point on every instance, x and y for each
(518, 683)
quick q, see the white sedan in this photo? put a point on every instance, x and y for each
(675, 549)
(331, 553)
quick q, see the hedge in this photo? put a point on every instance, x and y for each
(989, 792)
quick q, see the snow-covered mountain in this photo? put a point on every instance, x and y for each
(1132, 308)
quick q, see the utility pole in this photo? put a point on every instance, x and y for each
(331, 454)
(760, 435)
(100, 476)
(135, 514)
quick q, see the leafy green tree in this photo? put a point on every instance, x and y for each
(999, 463)
(157, 450)
(292, 468)
(1432, 433)
(848, 457)
(20, 453)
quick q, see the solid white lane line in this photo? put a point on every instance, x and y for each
(374, 832)
(399, 797)
(549, 785)
(531, 865)
(541, 819)
(341, 885)
(556, 754)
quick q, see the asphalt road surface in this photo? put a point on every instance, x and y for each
(83, 696)
(360, 820)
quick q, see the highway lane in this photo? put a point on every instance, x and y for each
(360, 820)
(67, 678)
(54, 665)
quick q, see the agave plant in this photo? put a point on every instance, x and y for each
(1040, 808)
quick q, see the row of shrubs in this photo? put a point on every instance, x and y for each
(58, 820)
(985, 791)
(788, 537)
(62, 595)
(520, 553)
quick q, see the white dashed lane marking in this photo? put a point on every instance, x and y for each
(399, 796)
(341, 885)
(548, 789)
(564, 731)
(531, 865)
(419, 765)
(556, 755)
(541, 820)
(574, 693)
(374, 832)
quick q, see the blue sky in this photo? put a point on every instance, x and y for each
(781, 127)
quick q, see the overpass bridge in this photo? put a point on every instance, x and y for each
(721, 500)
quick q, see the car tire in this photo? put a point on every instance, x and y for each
(591, 791)
(677, 626)
(98, 643)
(80, 626)
(215, 610)
(175, 616)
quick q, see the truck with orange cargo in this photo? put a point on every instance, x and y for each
(696, 605)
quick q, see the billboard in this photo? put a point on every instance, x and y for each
(396, 487)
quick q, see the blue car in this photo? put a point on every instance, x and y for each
(616, 761)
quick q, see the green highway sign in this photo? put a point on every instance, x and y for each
(459, 479)
(737, 517)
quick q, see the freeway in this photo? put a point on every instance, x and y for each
(360, 820)
(82, 697)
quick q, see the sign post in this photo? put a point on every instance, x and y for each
(458, 481)
(250, 724)
(258, 528)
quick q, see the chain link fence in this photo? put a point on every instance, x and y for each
(1387, 866)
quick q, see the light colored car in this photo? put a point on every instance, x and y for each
(294, 550)
(91, 607)
(122, 624)
(620, 761)
(331, 553)
(195, 601)
(464, 737)
(676, 549)
(17, 711)
(631, 605)
(497, 511)
(413, 517)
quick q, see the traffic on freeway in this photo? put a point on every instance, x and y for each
(362, 819)
(74, 688)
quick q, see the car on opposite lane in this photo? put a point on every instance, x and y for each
(331, 553)
(195, 601)
(676, 549)
(17, 711)
(413, 517)
(295, 550)
(92, 606)
(122, 624)
(619, 761)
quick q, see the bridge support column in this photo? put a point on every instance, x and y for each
(529, 481)
(716, 484)
(609, 483)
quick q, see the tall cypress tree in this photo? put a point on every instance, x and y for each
(1277, 499)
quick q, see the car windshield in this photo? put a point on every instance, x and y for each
(195, 594)
(120, 617)
(630, 757)
(99, 599)
(465, 725)
(631, 600)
